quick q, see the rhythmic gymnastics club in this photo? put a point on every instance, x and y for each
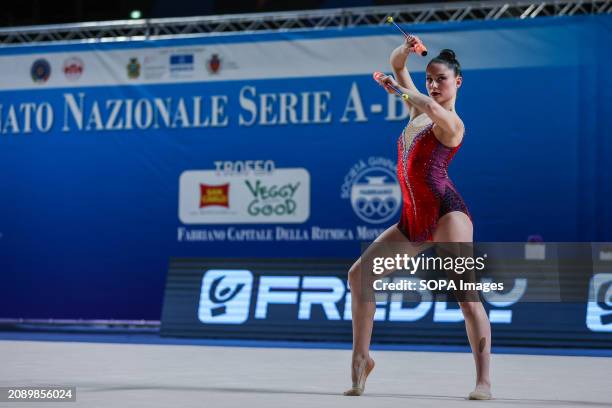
(378, 75)
(419, 47)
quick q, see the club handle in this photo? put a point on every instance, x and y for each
(419, 47)
(378, 75)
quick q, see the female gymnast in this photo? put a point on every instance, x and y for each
(433, 210)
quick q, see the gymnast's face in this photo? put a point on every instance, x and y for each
(441, 82)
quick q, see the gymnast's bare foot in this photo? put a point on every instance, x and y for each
(481, 392)
(361, 368)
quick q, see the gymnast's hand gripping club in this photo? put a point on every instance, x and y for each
(378, 78)
(419, 47)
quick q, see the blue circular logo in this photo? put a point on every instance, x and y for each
(375, 195)
(372, 188)
(40, 71)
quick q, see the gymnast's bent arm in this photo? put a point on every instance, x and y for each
(448, 121)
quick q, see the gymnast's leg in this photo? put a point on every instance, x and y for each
(456, 227)
(363, 306)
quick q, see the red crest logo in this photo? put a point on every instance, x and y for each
(214, 64)
(214, 195)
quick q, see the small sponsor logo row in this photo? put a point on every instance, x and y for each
(153, 66)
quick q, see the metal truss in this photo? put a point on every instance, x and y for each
(125, 30)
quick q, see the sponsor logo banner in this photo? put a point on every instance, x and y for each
(234, 301)
(211, 197)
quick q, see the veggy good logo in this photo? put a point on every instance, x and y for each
(272, 199)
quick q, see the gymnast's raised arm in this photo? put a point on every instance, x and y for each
(398, 65)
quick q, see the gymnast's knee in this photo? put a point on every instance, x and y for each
(354, 274)
(470, 309)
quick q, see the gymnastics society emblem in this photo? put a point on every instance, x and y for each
(373, 190)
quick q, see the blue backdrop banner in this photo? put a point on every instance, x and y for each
(115, 157)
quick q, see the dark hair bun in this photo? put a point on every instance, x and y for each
(448, 55)
(448, 58)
